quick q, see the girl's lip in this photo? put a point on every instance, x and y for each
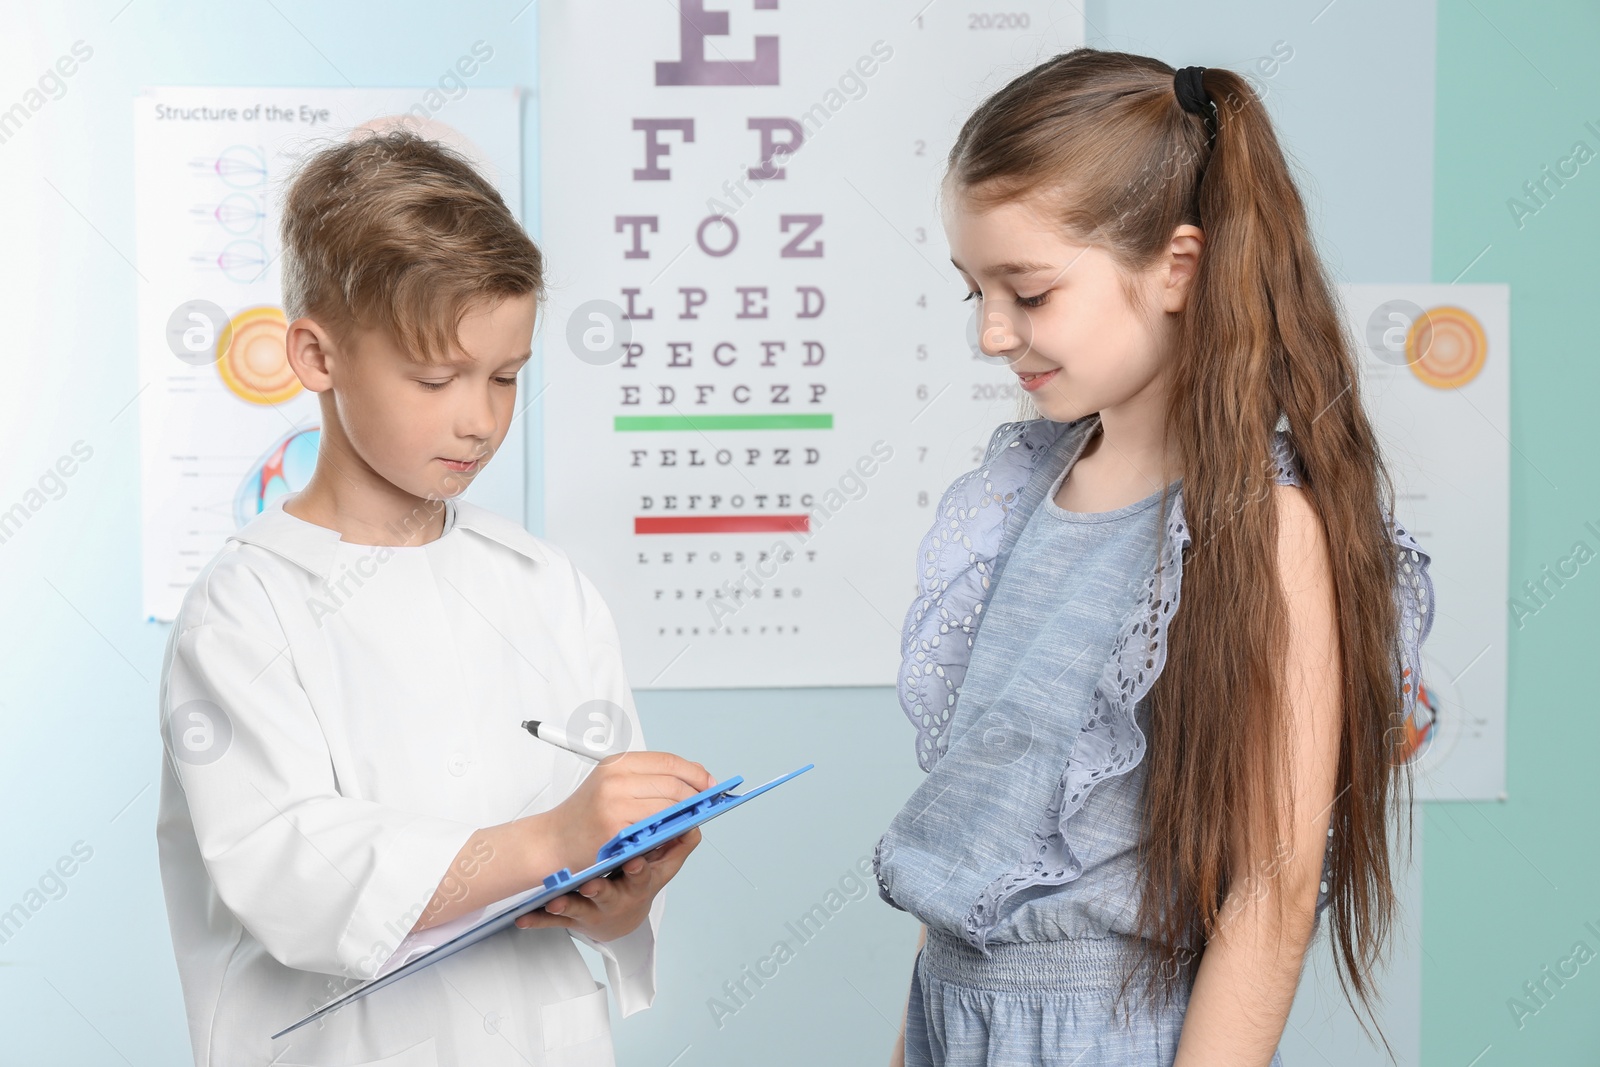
(458, 466)
(1038, 380)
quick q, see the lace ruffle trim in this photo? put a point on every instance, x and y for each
(1110, 741)
(955, 565)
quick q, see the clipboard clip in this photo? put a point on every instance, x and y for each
(660, 825)
(671, 822)
(675, 819)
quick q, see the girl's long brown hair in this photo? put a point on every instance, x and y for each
(1101, 136)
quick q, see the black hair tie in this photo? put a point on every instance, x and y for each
(1190, 90)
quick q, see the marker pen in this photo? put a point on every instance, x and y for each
(554, 734)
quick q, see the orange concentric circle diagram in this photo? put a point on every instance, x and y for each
(255, 364)
(1446, 347)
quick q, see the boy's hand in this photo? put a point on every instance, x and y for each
(618, 792)
(608, 908)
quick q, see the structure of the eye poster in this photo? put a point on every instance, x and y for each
(1436, 374)
(756, 339)
(226, 425)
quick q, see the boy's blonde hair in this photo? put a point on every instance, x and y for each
(399, 233)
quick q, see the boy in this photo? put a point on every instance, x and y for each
(343, 687)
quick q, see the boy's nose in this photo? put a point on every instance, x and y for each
(477, 422)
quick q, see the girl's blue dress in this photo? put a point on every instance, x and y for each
(1018, 849)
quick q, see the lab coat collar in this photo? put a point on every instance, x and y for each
(313, 547)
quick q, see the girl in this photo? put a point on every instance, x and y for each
(1119, 790)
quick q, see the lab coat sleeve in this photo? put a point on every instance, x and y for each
(324, 882)
(631, 959)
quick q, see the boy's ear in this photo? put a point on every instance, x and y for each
(309, 348)
(1183, 259)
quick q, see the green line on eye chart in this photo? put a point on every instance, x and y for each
(628, 423)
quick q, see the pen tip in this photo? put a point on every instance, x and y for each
(531, 725)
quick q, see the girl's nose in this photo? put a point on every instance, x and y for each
(999, 333)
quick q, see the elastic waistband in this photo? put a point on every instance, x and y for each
(1089, 964)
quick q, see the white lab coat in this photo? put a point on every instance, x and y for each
(370, 701)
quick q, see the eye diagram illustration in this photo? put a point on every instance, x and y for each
(1439, 720)
(1422, 723)
(241, 166)
(236, 213)
(1446, 347)
(244, 258)
(285, 468)
(255, 365)
(240, 261)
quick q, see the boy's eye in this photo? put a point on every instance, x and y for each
(436, 386)
(971, 296)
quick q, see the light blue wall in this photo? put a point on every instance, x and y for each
(90, 978)
(1513, 888)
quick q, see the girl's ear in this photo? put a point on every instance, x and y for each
(1183, 260)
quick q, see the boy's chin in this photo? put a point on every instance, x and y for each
(432, 488)
(445, 483)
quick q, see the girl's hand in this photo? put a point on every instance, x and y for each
(608, 908)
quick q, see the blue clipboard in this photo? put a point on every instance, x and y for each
(636, 840)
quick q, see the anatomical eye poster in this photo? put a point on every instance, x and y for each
(1435, 377)
(226, 426)
(757, 377)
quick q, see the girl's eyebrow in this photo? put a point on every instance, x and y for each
(1012, 267)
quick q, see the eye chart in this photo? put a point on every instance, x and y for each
(757, 374)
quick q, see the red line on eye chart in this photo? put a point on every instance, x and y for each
(653, 524)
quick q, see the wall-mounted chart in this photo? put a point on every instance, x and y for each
(226, 425)
(757, 380)
(1436, 378)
